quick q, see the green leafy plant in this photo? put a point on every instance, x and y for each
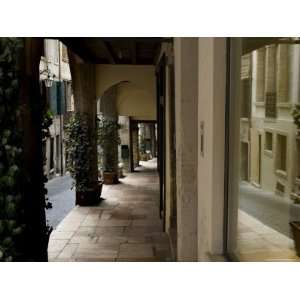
(108, 140)
(142, 145)
(11, 152)
(46, 123)
(78, 149)
(296, 115)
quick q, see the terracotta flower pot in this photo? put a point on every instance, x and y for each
(110, 177)
(295, 226)
(91, 196)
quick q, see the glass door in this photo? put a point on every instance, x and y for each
(263, 149)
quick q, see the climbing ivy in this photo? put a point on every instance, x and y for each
(11, 151)
(108, 140)
(78, 149)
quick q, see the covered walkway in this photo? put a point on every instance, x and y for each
(124, 227)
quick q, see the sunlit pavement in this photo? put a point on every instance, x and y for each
(124, 227)
(265, 206)
(258, 242)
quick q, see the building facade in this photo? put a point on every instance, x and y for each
(55, 64)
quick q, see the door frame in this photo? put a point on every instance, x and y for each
(161, 132)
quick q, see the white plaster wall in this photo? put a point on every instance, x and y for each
(211, 113)
(52, 51)
(186, 101)
(138, 97)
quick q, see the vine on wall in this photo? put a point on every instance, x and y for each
(11, 152)
(108, 140)
(78, 149)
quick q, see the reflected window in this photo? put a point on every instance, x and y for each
(281, 152)
(269, 141)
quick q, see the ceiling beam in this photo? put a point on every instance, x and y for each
(133, 52)
(109, 53)
(157, 54)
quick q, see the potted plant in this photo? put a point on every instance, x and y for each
(296, 116)
(78, 149)
(295, 220)
(108, 140)
(142, 146)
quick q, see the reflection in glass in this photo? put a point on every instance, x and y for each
(269, 189)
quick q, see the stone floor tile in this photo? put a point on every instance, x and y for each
(61, 235)
(56, 245)
(140, 259)
(112, 240)
(90, 221)
(113, 223)
(68, 251)
(109, 231)
(94, 254)
(94, 259)
(125, 226)
(136, 250)
(83, 239)
(85, 231)
(136, 230)
(53, 255)
(147, 222)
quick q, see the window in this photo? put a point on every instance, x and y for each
(64, 53)
(281, 153)
(269, 141)
(246, 85)
(56, 49)
(69, 100)
(246, 98)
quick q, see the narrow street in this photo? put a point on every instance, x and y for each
(124, 227)
(62, 198)
(265, 206)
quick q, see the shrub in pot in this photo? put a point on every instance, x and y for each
(108, 140)
(296, 117)
(295, 220)
(78, 149)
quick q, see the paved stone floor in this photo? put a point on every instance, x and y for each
(258, 242)
(124, 227)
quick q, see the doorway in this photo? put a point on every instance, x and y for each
(244, 161)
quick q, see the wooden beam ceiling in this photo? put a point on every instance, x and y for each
(105, 50)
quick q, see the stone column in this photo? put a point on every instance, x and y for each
(125, 142)
(186, 103)
(35, 240)
(134, 147)
(109, 111)
(153, 140)
(83, 83)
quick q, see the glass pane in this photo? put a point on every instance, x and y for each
(269, 150)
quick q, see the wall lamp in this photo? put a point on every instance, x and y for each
(49, 77)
